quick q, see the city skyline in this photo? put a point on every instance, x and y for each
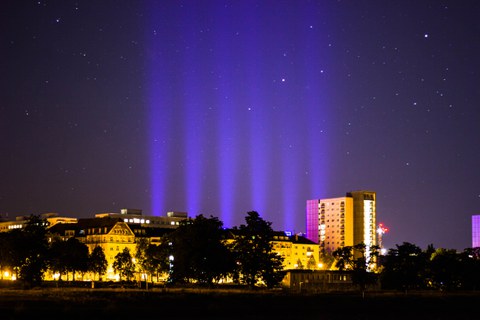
(224, 107)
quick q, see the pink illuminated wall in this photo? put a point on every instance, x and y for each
(475, 231)
(312, 220)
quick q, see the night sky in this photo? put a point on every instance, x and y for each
(224, 107)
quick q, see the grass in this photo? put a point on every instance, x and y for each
(190, 303)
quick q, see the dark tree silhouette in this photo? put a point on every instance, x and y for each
(124, 265)
(97, 262)
(157, 258)
(470, 268)
(31, 251)
(77, 256)
(199, 251)
(404, 268)
(9, 259)
(57, 261)
(343, 258)
(444, 267)
(256, 260)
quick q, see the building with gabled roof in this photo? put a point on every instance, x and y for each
(297, 251)
(111, 234)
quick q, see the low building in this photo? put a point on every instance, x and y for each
(317, 281)
(112, 234)
(52, 219)
(135, 216)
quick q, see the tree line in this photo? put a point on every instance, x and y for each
(408, 267)
(201, 251)
(197, 251)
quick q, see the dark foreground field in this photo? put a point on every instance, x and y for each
(179, 304)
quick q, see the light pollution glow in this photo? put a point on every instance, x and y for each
(225, 138)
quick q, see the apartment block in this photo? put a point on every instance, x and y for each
(344, 221)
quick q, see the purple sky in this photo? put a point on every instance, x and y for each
(224, 107)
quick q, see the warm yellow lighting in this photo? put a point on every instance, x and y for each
(320, 265)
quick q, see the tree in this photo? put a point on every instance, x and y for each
(273, 273)
(123, 264)
(157, 258)
(141, 257)
(8, 254)
(404, 267)
(199, 252)
(68, 256)
(363, 274)
(253, 249)
(445, 269)
(326, 259)
(151, 259)
(299, 264)
(343, 258)
(359, 259)
(311, 263)
(56, 257)
(76, 256)
(97, 262)
(30, 251)
(470, 272)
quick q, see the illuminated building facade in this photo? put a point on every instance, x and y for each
(331, 222)
(475, 231)
(318, 281)
(111, 234)
(364, 217)
(172, 220)
(52, 219)
(297, 251)
(343, 221)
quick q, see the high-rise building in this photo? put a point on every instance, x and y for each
(364, 217)
(343, 221)
(330, 222)
(475, 231)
